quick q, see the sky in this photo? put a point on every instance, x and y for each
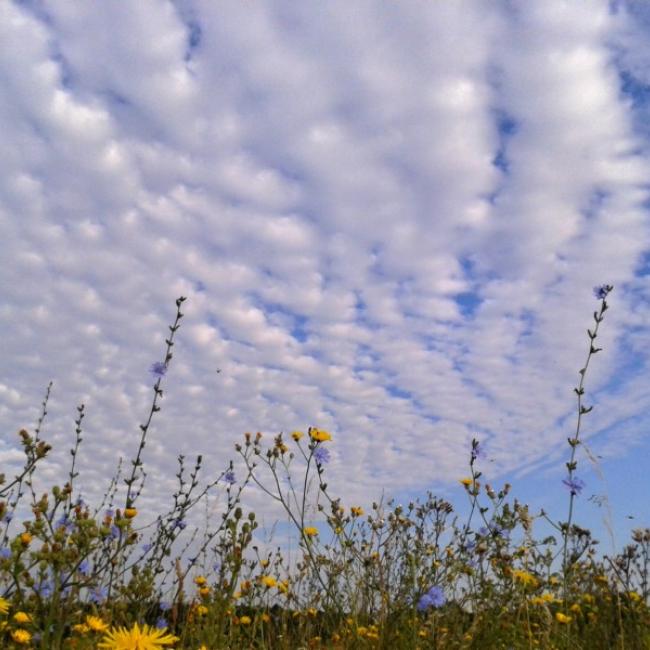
(387, 219)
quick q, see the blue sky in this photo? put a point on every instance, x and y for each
(387, 218)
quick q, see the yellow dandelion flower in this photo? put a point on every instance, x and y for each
(319, 435)
(21, 637)
(296, 435)
(204, 592)
(129, 513)
(284, 586)
(245, 620)
(266, 618)
(96, 624)
(25, 538)
(356, 511)
(269, 581)
(21, 618)
(200, 581)
(310, 531)
(562, 618)
(264, 563)
(137, 638)
(575, 608)
(4, 606)
(80, 628)
(466, 481)
(526, 579)
(201, 610)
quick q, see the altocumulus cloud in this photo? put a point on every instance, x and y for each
(387, 218)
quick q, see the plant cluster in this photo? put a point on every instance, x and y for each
(415, 575)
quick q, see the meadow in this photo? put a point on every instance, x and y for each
(418, 575)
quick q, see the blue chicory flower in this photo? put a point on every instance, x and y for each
(158, 369)
(574, 485)
(321, 455)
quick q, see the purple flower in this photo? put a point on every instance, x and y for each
(435, 597)
(574, 485)
(5, 552)
(99, 595)
(180, 524)
(602, 291)
(229, 477)
(147, 547)
(165, 606)
(477, 450)
(84, 568)
(321, 455)
(115, 531)
(44, 589)
(158, 369)
(161, 623)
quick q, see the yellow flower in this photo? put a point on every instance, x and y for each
(200, 581)
(204, 592)
(201, 610)
(284, 586)
(81, 628)
(356, 511)
(634, 597)
(296, 435)
(137, 638)
(96, 624)
(22, 637)
(319, 435)
(245, 620)
(129, 513)
(21, 618)
(269, 581)
(264, 563)
(310, 531)
(25, 538)
(266, 618)
(526, 579)
(562, 618)
(4, 606)
(466, 481)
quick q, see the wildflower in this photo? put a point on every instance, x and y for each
(310, 531)
(25, 538)
(5, 553)
(84, 568)
(180, 524)
(574, 485)
(269, 581)
(356, 511)
(200, 581)
(96, 624)
(245, 620)
(602, 291)
(204, 592)
(435, 597)
(21, 637)
(201, 610)
(477, 450)
(158, 369)
(147, 547)
(80, 628)
(137, 638)
(526, 579)
(165, 606)
(633, 596)
(229, 477)
(22, 618)
(115, 532)
(562, 618)
(266, 618)
(296, 435)
(4, 605)
(319, 435)
(466, 481)
(129, 513)
(161, 623)
(99, 595)
(321, 455)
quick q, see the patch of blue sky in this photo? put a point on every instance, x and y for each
(199, 286)
(595, 203)
(507, 126)
(297, 324)
(468, 303)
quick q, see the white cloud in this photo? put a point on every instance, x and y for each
(320, 180)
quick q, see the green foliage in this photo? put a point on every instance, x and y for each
(399, 576)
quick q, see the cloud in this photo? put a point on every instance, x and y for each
(387, 221)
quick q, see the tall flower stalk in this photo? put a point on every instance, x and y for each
(572, 482)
